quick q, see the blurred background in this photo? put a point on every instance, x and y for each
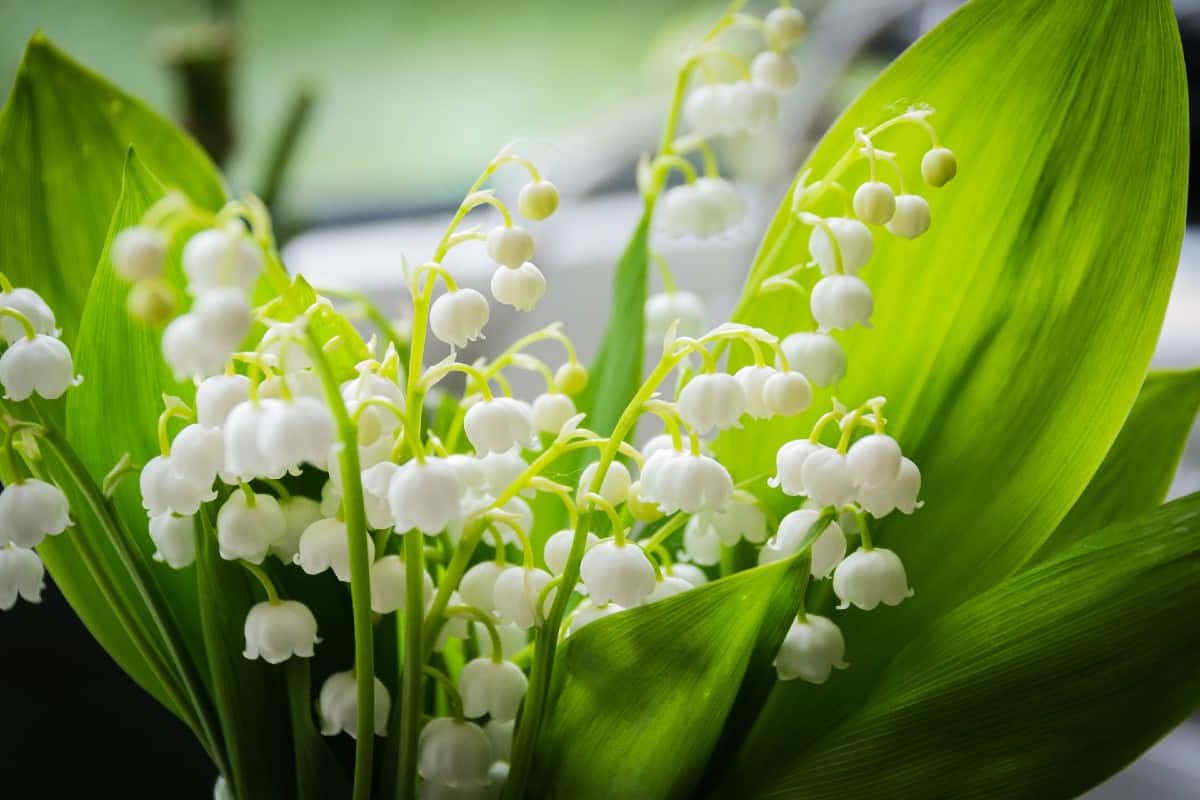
(362, 123)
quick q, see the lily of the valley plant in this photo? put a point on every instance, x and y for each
(848, 543)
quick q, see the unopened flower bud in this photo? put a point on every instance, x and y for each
(454, 753)
(516, 593)
(874, 202)
(839, 302)
(911, 218)
(867, 578)
(41, 365)
(425, 496)
(551, 411)
(622, 574)
(277, 631)
(774, 71)
(683, 309)
(854, 241)
(520, 287)
(457, 318)
(221, 257)
(817, 355)
(139, 253)
(712, 401)
(389, 582)
(571, 378)
(615, 486)
(509, 246)
(558, 549)
(21, 575)
(786, 394)
(785, 28)
(337, 705)
(151, 302)
(174, 539)
(247, 531)
(498, 425)
(492, 687)
(537, 200)
(938, 166)
(811, 650)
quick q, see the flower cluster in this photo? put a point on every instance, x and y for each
(35, 364)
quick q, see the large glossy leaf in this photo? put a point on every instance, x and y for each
(1138, 469)
(640, 699)
(1012, 338)
(1040, 687)
(64, 133)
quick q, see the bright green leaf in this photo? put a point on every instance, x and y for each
(64, 134)
(1138, 470)
(1012, 338)
(640, 698)
(1043, 686)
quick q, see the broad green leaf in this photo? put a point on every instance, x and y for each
(1010, 340)
(1043, 686)
(640, 699)
(64, 134)
(250, 695)
(1138, 470)
(319, 776)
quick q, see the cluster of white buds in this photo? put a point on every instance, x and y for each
(35, 363)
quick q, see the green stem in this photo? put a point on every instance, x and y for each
(360, 569)
(414, 658)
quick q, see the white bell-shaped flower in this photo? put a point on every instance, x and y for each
(247, 531)
(786, 394)
(685, 482)
(720, 205)
(425, 496)
(454, 753)
(217, 396)
(912, 216)
(509, 246)
(827, 551)
(840, 302)
(754, 380)
(174, 539)
(899, 493)
(683, 309)
(478, 585)
(587, 612)
(298, 514)
(139, 253)
(492, 687)
(558, 549)
(455, 626)
(667, 587)
(706, 110)
(471, 473)
(701, 542)
(30, 511)
(689, 572)
(245, 458)
(712, 401)
(300, 383)
(874, 203)
(389, 582)
(741, 519)
(537, 200)
(867, 578)
(326, 545)
(221, 790)
(939, 166)
(654, 444)
(165, 489)
(827, 478)
(789, 466)
(773, 70)
(515, 595)
(817, 355)
(337, 705)
(874, 460)
(551, 411)
(520, 288)
(277, 631)
(854, 243)
(376, 482)
(621, 574)
(188, 353)
(221, 257)
(40, 365)
(501, 734)
(31, 305)
(223, 316)
(198, 454)
(754, 108)
(498, 425)
(458, 317)
(501, 469)
(21, 575)
(614, 487)
(785, 27)
(295, 432)
(811, 650)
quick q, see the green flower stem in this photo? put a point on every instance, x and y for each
(360, 569)
(106, 515)
(414, 660)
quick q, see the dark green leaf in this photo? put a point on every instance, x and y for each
(319, 776)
